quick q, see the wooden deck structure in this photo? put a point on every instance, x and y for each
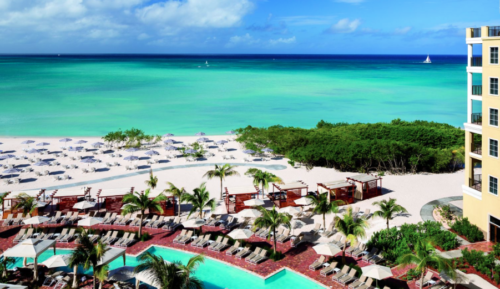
(169, 206)
(367, 186)
(10, 202)
(236, 196)
(64, 200)
(338, 190)
(112, 198)
(286, 194)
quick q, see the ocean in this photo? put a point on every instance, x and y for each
(90, 95)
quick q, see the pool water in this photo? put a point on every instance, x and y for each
(214, 274)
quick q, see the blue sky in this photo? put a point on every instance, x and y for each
(242, 26)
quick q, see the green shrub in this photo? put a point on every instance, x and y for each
(463, 227)
(496, 249)
(496, 277)
(359, 272)
(276, 257)
(481, 262)
(145, 237)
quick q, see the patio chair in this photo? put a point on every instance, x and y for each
(150, 222)
(359, 251)
(180, 236)
(367, 285)
(106, 217)
(348, 278)
(366, 214)
(427, 278)
(7, 221)
(122, 239)
(124, 221)
(214, 244)
(19, 235)
(233, 248)
(284, 237)
(113, 238)
(158, 223)
(17, 220)
(253, 254)
(223, 245)
(131, 240)
(203, 242)
(340, 274)
(327, 270)
(377, 259)
(370, 255)
(212, 222)
(186, 239)
(111, 219)
(358, 282)
(330, 230)
(198, 240)
(317, 263)
(50, 234)
(351, 249)
(62, 235)
(244, 252)
(107, 236)
(68, 237)
(259, 258)
(73, 218)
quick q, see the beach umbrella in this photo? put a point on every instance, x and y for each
(80, 141)
(7, 157)
(1, 151)
(97, 144)
(169, 141)
(41, 164)
(88, 161)
(11, 171)
(327, 249)
(240, 234)
(42, 144)
(33, 151)
(121, 274)
(131, 158)
(230, 132)
(202, 139)
(65, 140)
(221, 142)
(89, 222)
(250, 152)
(190, 151)
(57, 261)
(254, 202)
(193, 223)
(303, 201)
(75, 149)
(152, 153)
(84, 205)
(250, 213)
(28, 142)
(290, 210)
(170, 148)
(167, 135)
(199, 133)
(267, 150)
(377, 272)
(297, 224)
(36, 220)
(1, 143)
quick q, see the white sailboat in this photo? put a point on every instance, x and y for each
(428, 60)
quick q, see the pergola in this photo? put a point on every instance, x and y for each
(236, 196)
(338, 190)
(66, 199)
(112, 198)
(169, 206)
(30, 248)
(111, 255)
(367, 186)
(286, 194)
(10, 202)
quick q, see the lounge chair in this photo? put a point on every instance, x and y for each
(279, 233)
(156, 223)
(212, 222)
(214, 244)
(358, 282)
(17, 220)
(367, 285)
(28, 235)
(377, 259)
(74, 218)
(51, 279)
(124, 221)
(199, 240)
(42, 234)
(330, 230)
(316, 229)
(284, 237)
(131, 240)
(233, 248)
(19, 235)
(205, 241)
(106, 237)
(253, 254)
(317, 263)
(136, 222)
(113, 238)
(259, 258)
(106, 217)
(111, 219)
(174, 225)
(223, 245)
(327, 270)
(370, 255)
(366, 214)
(180, 236)
(264, 233)
(427, 278)
(260, 231)
(122, 239)
(66, 217)
(341, 242)
(227, 222)
(340, 274)
(351, 249)
(244, 252)
(348, 278)
(359, 251)
(166, 223)
(7, 221)
(150, 222)
(62, 235)
(68, 237)
(50, 234)
(299, 240)
(94, 238)
(355, 211)
(118, 219)
(186, 239)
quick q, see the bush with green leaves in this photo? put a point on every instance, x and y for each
(470, 231)
(481, 262)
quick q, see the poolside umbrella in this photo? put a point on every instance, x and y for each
(152, 153)
(7, 157)
(80, 141)
(1, 151)
(297, 224)
(42, 144)
(89, 222)
(169, 141)
(193, 223)
(57, 261)
(327, 249)
(290, 210)
(240, 234)
(28, 142)
(167, 135)
(199, 133)
(170, 148)
(250, 213)
(250, 152)
(97, 144)
(202, 139)
(88, 161)
(221, 142)
(377, 272)
(230, 132)
(303, 201)
(190, 151)
(75, 149)
(65, 140)
(41, 164)
(267, 150)
(254, 202)
(131, 158)
(36, 220)
(11, 172)
(84, 205)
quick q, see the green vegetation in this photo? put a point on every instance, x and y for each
(323, 206)
(388, 210)
(399, 146)
(138, 202)
(396, 242)
(483, 263)
(130, 138)
(351, 227)
(445, 212)
(200, 199)
(87, 255)
(178, 193)
(272, 219)
(263, 178)
(152, 182)
(470, 231)
(221, 172)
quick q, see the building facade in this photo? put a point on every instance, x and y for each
(482, 133)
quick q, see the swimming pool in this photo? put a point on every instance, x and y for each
(214, 274)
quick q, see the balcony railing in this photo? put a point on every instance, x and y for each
(476, 147)
(477, 90)
(477, 118)
(476, 32)
(476, 61)
(475, 183)
(494, 31)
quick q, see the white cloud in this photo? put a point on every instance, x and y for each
(103, 33)
(303, 20)
(246, 39)
(401, 31)
(282, 40)
(143, 36)
(113, 4)
(350, 1)
(344, 26)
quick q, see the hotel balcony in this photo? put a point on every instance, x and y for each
(477, 118)
(475, 182)
(493, 31)
(475, 33)
(476, 148)
(476, 61)
(477, 90)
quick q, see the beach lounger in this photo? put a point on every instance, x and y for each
(351, 249)
(330, 230)
(327, 270)
(340, 274)
(111, 219)
(62, 235)
(106, 217)
(370, 255)
(17, 220)
(355, 211)
(124, 221)
(50, 234)
(223, 245)
(338, 241)
(284, 237)
(51, 279)
(299, 240)
(348, 278)
(186, 239)
(122, 239)
(118, 219)
(136, 221)
(359, 251)
(264, 234)
(259, 258)
(244, 252)
(377, 259)
(203, 242)
(229, 226)
(9, 219)
(358, 282)
(317, 263)
(68, 237)
(253, 254)
(212, 222)
(279, 232)
(367, 285)
(217, 242)
(198, 240)
(66, 217)
(427, 278)
(19, 235)
(157, 223)
(259, 231)
(174, 225)
(131, 240)
(233, 248)
(150, 222)
(74, 218)
(113, 238)
(28, 235)
(42, 234)
(366, 214)
(106, 237)
(180, 236)
(316, 229)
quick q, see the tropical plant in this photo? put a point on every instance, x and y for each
(102, 274)
(87, 255)
(323, 206)
(152, 182)
(272, 219)
(5, 263)
(464, 227)
(174, 275)
(26, 203)
(221, 172)
(388, 210)
(199, 200)
(137, 202)
(263, 178)
(351, 227)
(178, 193)
(423, 256)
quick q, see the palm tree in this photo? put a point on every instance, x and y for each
(138, 202)
(351, 227)
(5, 263)
(102, 274)
(221, 172)
(25, 203)
(152, 182)
(178, 193)
(388, 210)
(322, 206)
(200, 199)
(170, 275)
(262, 178)
(272, 219)
(87, 255)
(423, 256)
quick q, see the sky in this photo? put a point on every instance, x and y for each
(242, 26)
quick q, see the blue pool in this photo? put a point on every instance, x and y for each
(214, 274)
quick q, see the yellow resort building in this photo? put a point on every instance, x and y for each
(482, 133)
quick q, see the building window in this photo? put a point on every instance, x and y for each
(493, 117)
(493, 148)
(493, 185)
(494, 86)
(493, 55)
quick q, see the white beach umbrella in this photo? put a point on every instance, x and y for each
(193, 223)
(254, 202)
(121, 274)
(84, 205)
(377, 272)
(37, 220)
(57, 261)
(327, 249)
(240, 234)
(290, 210)
(89, 222)
(250, 213)
(303, 201)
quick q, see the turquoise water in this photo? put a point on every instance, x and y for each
(214, 274)
(92, 95)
